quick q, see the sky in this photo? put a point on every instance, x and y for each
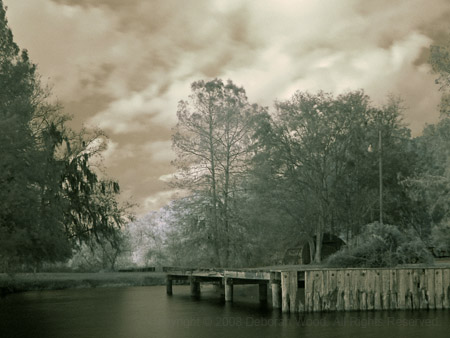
(124, 65)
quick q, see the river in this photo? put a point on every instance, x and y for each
(135, 312)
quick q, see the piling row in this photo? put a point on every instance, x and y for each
(376, 289)
(334, 289)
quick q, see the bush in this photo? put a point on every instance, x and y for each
(440, 238)
(382, 245)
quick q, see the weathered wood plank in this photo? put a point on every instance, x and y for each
(370, 289)
(317, 277)
(332, 289)
(325, 291)
(377, 290)
(438, 289)
(340, 282)
(430, 288)
(348, 291)
(309, 291)
(362, 286)
(446, 287)
(393, 288)
(415, 290)
(386, 291)
(401, 288)
(423, 289)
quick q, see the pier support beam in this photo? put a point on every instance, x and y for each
(169, 285)
(263, 292)
(195, 287)
(276, 295)
(228, 290)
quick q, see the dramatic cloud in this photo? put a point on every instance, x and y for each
(124, 65)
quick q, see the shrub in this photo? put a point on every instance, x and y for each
(382, 245)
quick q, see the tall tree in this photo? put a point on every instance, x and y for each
(212, 140)
(50, 197)
(315, 153)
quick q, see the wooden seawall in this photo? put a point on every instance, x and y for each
(309, 289)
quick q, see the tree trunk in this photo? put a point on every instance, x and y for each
(214, 191)
(312, 249)
(319, 236)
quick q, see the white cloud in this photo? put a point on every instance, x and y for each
(134, 60)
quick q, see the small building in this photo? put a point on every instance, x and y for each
(300, 254)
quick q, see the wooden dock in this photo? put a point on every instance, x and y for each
(314, 289)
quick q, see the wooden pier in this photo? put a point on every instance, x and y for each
(314, 289)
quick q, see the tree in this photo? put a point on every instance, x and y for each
(212, 140)
(50, 197)
(314, 154)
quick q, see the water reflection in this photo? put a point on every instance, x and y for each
(148, 312)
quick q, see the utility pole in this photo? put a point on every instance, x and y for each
(380, 162)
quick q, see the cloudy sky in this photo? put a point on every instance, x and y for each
(123, 65)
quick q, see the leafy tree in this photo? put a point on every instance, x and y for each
(430, 186)
(212, 140)
(50, 197)
(314, 155)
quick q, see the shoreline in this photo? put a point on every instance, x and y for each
(23, 282)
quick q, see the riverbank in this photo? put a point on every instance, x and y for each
(21, 282)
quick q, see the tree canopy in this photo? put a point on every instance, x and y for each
(51, 198)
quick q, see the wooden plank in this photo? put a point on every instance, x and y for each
(355, 276)
(340, 277)
(393, 288)
(317, 302)
(409, 289)
(370, 289)
(415, 289)
(362, 286)
(347, 290)
(438, 289)
(401, 288)
(285, 289)
(293, 291)
(430, 288)
(377, 291)
(325, 291)
(423, 289)
(446, 287)
(385, 289)
(332, 289)
(309, 290)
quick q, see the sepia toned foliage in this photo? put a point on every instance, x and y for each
(51, 198)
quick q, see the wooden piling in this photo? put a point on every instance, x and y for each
(276, 295)
(408, 288)
(446, 288)
(194, 286)
(169, 285)
(228, 289)
(263, 292)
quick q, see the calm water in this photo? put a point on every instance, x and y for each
(147, 312)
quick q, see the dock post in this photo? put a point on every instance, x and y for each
(169, 285)
(276, 295)
(228, 289)
(263, 292)
(289, 286)
(195, 286)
